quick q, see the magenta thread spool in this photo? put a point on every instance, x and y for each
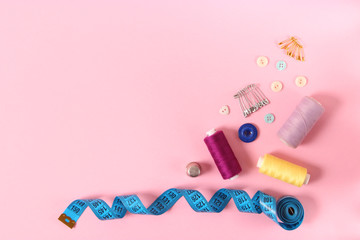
(300, 122)
(222, 154)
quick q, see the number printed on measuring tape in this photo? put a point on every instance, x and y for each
(288, 209)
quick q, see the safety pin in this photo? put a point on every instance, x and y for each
(293, 48)
(251, 99)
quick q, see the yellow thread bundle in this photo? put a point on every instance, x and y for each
(283, 170)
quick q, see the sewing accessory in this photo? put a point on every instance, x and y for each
(293, 48)
(283, 170)
(281, 65)
(222, 154)
(247, 132)
(288, 209)
(193, 169)
(67, 220)
(300, 122)
(300, 81)
(269, 118)
(224, 110)
(276, 86)
(262, 61)
(251, 99)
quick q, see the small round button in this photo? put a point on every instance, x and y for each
(247, 132)
(269, 118)
(224, 110)
(280, 65)
(300, 81)
(262, 61)
(276, 86)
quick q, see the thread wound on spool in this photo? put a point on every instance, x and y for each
(300, 122)
(222, 154)
(283, 170)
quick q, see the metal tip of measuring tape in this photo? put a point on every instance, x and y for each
(67, 220)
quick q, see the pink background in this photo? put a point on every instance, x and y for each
(104, 98)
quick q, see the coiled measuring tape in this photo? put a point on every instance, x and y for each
(288, 209)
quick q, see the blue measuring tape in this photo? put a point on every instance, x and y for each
(288, 209)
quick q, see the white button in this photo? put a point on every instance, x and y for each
(224, 110)
(276, 86)
(300, 81)
(262, 61)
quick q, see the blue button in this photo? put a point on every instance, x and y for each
(269, 118)
(247, 132)
(280, 65)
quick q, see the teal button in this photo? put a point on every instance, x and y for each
(269, 118)
(280, 65)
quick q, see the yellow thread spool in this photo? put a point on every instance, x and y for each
(283, 170)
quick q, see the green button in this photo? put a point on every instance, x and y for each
(280, 65)
(269, 118)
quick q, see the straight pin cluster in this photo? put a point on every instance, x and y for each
(251, 99)
(293, 48)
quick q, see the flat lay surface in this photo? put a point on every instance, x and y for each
(107, 98)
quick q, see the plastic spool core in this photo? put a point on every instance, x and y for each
(211, 132)
(261, 161)
(315, 101)
(234, 177)
(307, 179)
(286, 143)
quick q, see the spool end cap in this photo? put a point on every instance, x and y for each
(307, 179)
(211, 132)
(234, 177)
(260, 162)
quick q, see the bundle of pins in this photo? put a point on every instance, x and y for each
(251, 99)
(293, 48)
